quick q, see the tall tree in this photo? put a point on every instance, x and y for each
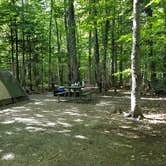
(50, 48)
(135, 63)
(96, 48)
(23, 72)
(105, 47)
(164, 58)
(72, 42)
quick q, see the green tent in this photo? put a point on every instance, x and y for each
(10, 89)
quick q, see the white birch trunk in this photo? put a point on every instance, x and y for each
(135, 63)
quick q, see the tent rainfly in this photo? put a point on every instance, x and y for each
(10, 89)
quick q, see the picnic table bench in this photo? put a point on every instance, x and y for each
(76, 94)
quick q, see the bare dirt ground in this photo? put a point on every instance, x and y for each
(43, 132)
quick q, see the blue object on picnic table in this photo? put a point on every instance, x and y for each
(61, 89)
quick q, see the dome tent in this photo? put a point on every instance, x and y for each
(10, 89)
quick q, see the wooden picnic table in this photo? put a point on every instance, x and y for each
(76, 92)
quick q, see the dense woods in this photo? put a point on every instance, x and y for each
(66, 41)
(83, 82)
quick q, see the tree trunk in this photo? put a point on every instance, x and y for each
(72, 42)
(17, 53)
(12, 46)
(30, 62)
(105, 45)
(149, 13)
(67, 43)
(23, 72)
(96, 51)
(135, 111)
(90, 58)
(60, 69)
(114, 56)
(50, 49)
(164, 58)
(12, 43)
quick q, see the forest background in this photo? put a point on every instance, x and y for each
(45, 42)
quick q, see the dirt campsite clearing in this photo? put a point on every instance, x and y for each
(45, 132)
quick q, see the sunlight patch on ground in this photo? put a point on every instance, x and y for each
(157, 121)
(64, 124)
(106, 131)
(34, 129)
(50, 124)
(8, 132)
(122, 145)
(8, 122)
(156, 116)
(9, 111)
(27, 121)
(8, 156)
(49, 100)
(72, 113)
(39, 115)
(153, 98)
(80, 137)
(102, 103)
(125, 127)
(27, 109)
(78, 120)
(46, 111)
(61, 119)
(131, 135)
(38, 103)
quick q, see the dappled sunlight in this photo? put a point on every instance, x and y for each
(8, 156)
(106, 131)
(34, 129)
(9, 132)
(50, 124)
(80, 137)
(78, 120)
(44, 127)
(8, 122)
(103, 103)
(104, 96)
(64, 124)
(129, 135)
(9, 111)
(72, 113)
(125, 127)
(39, 115)
(29, 121)
(38, 103)
(154, 98)
(47, 100)
(75, 112)
(156, 118)
(61, 119)
(118, 144)
(46, 111)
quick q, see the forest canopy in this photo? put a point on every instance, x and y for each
(65, 41)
